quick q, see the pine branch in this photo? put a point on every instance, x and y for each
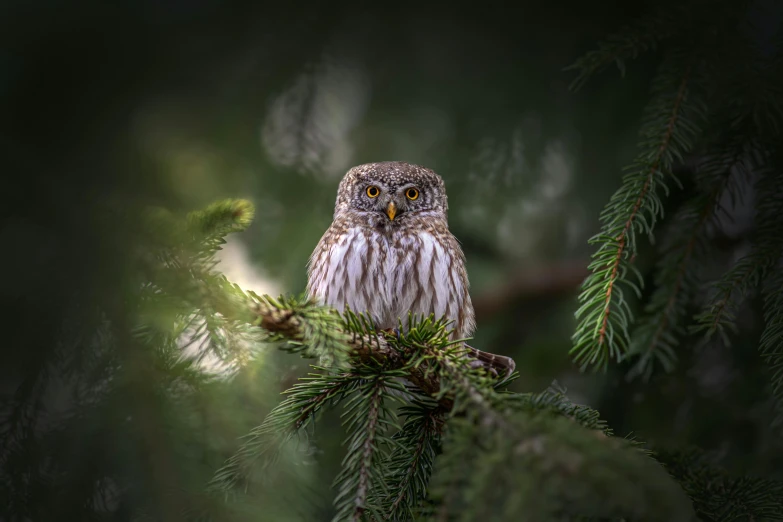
(605, 315)
(754, 120)
(411, 462)
(377, 362)
(716, 496)
(730, 291)
(459, 379)
(362, 479)
(554, 399)
(771, 344)
(181, 286)
(677, 280)
(719, 314)
(361, 342)
(297, 411)
(534, 452)
(209, 227)
(309, 330)
(628, 43)
(556, 468)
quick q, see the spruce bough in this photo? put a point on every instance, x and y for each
(428, 437)
(714, 108)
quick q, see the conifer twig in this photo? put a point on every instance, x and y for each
(363, 467)
(366, 348)
(657, 335)
(429, 425)
(622, 239)
(605, 315)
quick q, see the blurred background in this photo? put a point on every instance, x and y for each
(178, 103)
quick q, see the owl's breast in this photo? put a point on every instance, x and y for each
(389, 275)
(349, 270)
(424, 277)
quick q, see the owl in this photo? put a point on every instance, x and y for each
(389, 252)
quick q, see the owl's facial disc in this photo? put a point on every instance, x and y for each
(391, 194)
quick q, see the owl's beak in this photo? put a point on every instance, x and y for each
(391, 210)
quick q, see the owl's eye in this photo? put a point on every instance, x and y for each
(373, 191)
(412, 194)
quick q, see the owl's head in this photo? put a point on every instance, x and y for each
(391, 193)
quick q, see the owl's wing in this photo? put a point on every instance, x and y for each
(318, 264)
(465, 322)
(335, 268)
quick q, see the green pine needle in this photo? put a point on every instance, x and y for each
(363, 478)
(557, 470)
(263, 444)
(672, 123)
(411, 462)
(771, 343)
(627, 44)
(687, 248)
(719, 315)
(320, 332)
(718, 496)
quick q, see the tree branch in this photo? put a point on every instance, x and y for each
(530, 284)
(367, 349)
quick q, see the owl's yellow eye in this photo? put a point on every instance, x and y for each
(412, 194)
(373, 191)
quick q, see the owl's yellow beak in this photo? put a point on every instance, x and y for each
(391, 210)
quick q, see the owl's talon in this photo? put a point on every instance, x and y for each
(475, 364)
(390, 331)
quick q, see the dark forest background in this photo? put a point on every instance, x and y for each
(110, 106)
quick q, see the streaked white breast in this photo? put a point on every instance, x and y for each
(388, 276)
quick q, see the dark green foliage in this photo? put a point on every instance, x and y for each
(555, 469)
(543, 451)
(319, 331)
(411, 461)
(367, 419)
(772, 337)
(749, 272)
(641, 36)
(715, 109)
(262, 445)
(559, 458)
(672, 122)
(119, 422)
(718, 496)
(685, 249)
